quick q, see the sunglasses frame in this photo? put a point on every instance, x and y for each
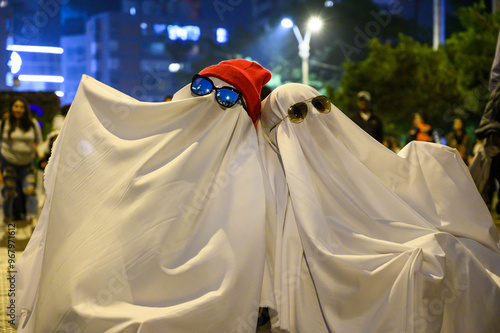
(306, 112)
(240, 95)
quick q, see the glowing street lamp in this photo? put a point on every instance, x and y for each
(314, 24)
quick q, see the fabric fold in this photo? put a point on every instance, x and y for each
(154, 220)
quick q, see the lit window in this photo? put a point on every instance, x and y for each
(221, 34)
(188, 32)
(159, 28)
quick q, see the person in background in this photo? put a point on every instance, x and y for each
(366, 119)
(392, 143)
(57, 124)
(485, 166)
(20, 134)
(460, 140)
(266, 90)
(421, 131)
(495, 68)
(477, 147)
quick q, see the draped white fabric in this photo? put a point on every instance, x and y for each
(378, 242)
(154, 220)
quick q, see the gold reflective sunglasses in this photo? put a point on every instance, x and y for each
(298, 111)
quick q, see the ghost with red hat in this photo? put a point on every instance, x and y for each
(154, 218)
(248, 77)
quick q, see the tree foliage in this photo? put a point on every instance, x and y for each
(471, 52)
(411, 77)
(403, 79)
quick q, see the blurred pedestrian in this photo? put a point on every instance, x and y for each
(485, 166)
(392, 143)
(19, 134)
(460, 140)
(366, 119)
(495, 68)
(420, 131)
(46, 149)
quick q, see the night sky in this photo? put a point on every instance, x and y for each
(233, 18)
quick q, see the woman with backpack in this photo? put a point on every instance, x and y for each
(20, 134)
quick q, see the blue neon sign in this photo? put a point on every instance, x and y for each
(188, 32)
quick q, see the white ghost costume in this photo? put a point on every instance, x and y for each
(154, 219)
(366, 240)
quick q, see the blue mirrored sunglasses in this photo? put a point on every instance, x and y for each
(225, 96)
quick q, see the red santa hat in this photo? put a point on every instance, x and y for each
(247, 76)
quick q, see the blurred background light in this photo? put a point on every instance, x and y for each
(15, 62)
(221, 35)
(41, 78)
(314, 23)
(286, 23)
(159, 28)
(188, 32)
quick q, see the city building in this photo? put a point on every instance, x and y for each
(148, 49)
(32, 56)
(73, 65)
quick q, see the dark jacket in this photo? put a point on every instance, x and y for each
(490, 121)
(372, 126)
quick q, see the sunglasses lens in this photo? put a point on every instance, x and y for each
(227, 97)
(297, 112)
(322, 104)
(201, 86)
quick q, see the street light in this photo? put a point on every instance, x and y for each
(314, 24)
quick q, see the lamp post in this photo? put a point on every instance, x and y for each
(314, 24)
